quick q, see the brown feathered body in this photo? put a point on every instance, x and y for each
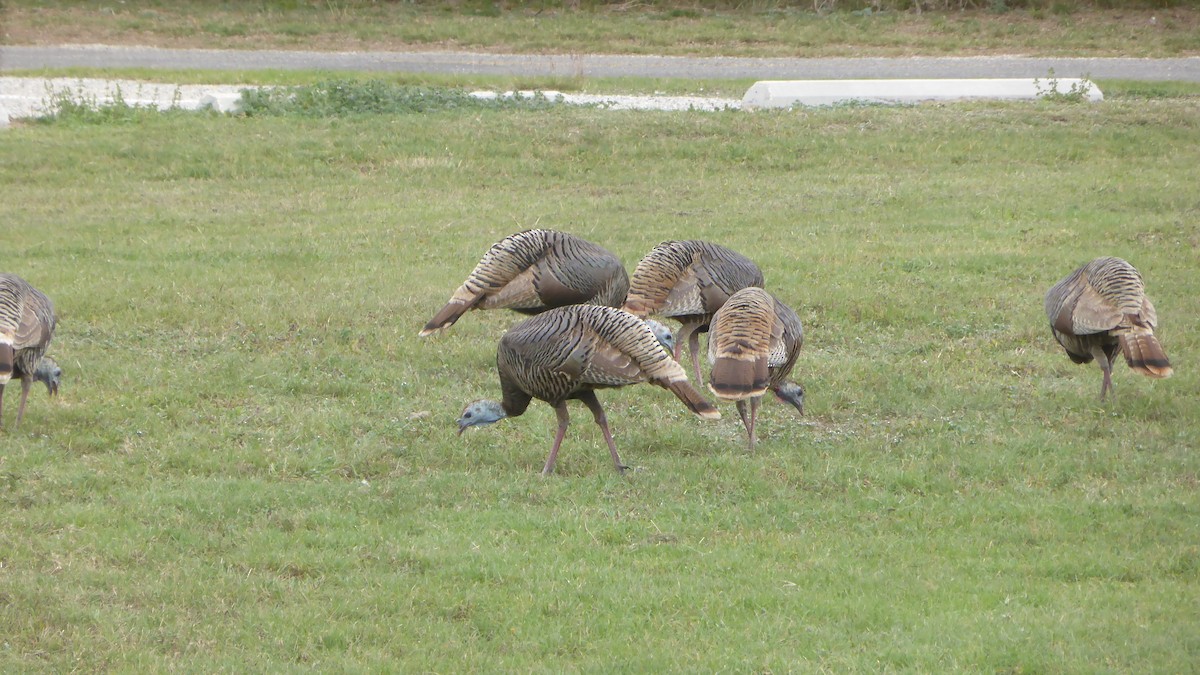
(689, 281)
(752, 347)
(1100, 309)
(739, 345)
(569, 352)
(27, 323)
(537, 270)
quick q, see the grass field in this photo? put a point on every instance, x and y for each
(1151, 28)
(253, 462)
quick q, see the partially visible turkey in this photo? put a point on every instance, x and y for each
(27, 323)
(537, 270)
(752, 346)
(689, 281)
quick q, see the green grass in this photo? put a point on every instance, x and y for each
(1155, 28)
(253, 460)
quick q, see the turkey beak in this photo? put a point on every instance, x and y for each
(798, 405)
(462, 426)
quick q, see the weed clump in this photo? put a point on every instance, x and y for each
(83, 107)
(1049, 90)
(338, 98)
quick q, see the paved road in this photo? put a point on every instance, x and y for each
(18, 57)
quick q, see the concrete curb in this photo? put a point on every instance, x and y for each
(29, 97)
(789, 93)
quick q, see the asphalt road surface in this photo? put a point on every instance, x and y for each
(719, 67)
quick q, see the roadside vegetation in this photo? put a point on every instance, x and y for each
(253, 461)
(765, 28)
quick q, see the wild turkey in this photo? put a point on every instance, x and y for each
(689, 281)
(1100, 308)
(536, 270)
(568, 353)
(752, 347)
(27, 324)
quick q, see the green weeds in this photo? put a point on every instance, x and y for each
(69, 106)
(332, 98)
(1048, 89)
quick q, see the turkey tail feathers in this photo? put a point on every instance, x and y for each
(693, 400)
(6, 362)
(445, 317)
(735, 379)
(1144, 354)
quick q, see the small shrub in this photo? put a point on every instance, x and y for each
(1077, 93)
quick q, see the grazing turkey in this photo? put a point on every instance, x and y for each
(568, 353)
(27, 324)
(752, 347)
(1100, 308)
(689, 281)
(536, 270)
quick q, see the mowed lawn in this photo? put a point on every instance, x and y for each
(253, 465)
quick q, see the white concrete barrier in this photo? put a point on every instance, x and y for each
(30, 97)
(789, 93)
(222, 102)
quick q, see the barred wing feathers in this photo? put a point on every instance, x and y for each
(569, 349)
(533, 271)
